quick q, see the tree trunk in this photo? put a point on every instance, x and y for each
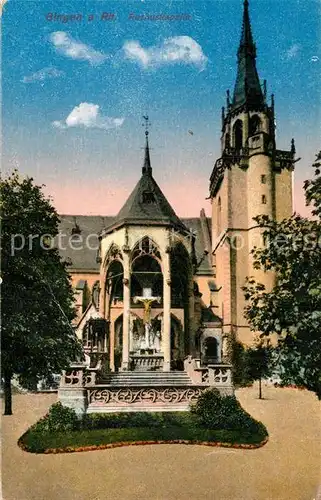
(7, 394)
(260, 388)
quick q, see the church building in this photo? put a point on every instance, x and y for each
(158, 288)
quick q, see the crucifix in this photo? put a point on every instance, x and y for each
(147, 300)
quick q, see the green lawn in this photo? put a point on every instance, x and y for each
(99, 429)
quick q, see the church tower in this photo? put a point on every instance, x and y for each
(250, 178)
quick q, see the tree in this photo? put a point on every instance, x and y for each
(259, 362)
(292, 309)
(238, 359)
(37, 300)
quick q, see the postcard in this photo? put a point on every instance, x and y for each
(157, 290)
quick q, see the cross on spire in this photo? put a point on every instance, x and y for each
(146, 124)
(147, 169)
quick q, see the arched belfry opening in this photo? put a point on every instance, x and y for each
(238, 135)
(255, 125)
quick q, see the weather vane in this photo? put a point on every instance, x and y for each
(146, 124)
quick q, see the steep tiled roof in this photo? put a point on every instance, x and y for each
(147, 203)
(247, 86)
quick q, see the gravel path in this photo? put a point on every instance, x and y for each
(287, 468)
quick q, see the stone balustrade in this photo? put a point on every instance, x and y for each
(217, 375)
(146, 362)
(80, 388)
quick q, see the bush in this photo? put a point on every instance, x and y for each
(214, 411)
(238, 359)
(58, 419)
(123, 420)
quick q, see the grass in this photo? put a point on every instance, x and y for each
(100, 429)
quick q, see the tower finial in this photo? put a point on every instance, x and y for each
(147, 169)
(247, 90)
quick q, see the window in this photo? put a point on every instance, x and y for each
(227, 141)
(238, 134)
(148, 197)
(263, 179)
(255, 125)
(263, 199)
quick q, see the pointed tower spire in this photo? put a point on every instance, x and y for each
(247, 88)
(147, 169)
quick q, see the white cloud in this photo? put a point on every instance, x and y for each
(293, 51)
(87, 115)
(67, 46)
(43, 74)
(177, 49)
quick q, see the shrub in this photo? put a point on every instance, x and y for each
(214, 411)
(58, 419)
(122, 420)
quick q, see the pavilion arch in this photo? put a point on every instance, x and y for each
(177, 339)
(238, 135)
(146, 268)
(118, 342)
(113, 284)
(180, 259)
(146, 246)
(182, 286)
(113, 253)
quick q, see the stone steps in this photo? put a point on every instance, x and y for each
(135, 378)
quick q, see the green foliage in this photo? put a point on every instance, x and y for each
(122, 420)
(37, 300)
(58, 419)
(313, 187)
(238, 359)
(259, 361)
(293, 308)
(214, 411)
(98, 429)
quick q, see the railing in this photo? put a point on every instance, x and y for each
(214, 375)
(140, 396)
(148, 362)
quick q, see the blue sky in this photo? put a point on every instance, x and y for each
(74, 93)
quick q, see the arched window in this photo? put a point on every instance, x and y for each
(210, 350)
(238, 134)
(227, 141)
(114, 281)
(219, 216)
(255, 125)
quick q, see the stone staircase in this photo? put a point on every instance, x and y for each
(146, 379)
(143, 391)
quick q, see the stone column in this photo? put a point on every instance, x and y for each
(112, 345)
(191, 319)
(72, 391)
(245, 128)
(126, 312)
(166, 338)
